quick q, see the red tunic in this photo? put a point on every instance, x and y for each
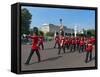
(34, 42)
(66, 40)
(62, 41)
(73, 40)
(89, 47)
(41, 40)
(70, 39)
(77, 41)
(92, 40)
(57, 39)
(81, 42)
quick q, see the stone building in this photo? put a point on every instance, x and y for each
(54, 28)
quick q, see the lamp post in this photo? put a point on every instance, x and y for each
(75, 30)
(61, 25)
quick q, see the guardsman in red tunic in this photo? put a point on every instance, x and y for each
(35, 47)
(77, 41)
(61, 42)
(89, 48)
(67, 41)
(92, 40)
(41, 40)
(72, 44)
(85, 42)
(56, 38)
(81, 45)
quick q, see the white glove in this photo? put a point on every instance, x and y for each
(24, 35)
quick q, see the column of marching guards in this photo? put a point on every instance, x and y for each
(71, 43)
(65, 42)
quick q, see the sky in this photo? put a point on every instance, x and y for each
(70, 17)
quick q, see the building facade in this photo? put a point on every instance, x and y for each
(54, 28)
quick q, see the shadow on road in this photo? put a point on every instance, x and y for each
(49, 48)
(49, 59)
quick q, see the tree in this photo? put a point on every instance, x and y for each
(90, 32)
(25, 21)
(41, 33)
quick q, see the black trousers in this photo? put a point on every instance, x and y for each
(88, 55)
(77, 46)
(63, 47)
(41, 45)
(56, 45)
(72, 47)
(31, 53)
(81, 48)
(67, 46)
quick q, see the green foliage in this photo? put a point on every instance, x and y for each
(91, 32)
(25, 21)
(41, 33)
(50, 34)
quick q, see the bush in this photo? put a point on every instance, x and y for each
(50, 34)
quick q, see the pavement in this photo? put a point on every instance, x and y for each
(51, 60)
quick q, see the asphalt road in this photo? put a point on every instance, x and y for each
(51, 59)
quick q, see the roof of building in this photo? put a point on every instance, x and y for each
(53, 25)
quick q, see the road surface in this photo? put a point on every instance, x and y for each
(51, 59)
